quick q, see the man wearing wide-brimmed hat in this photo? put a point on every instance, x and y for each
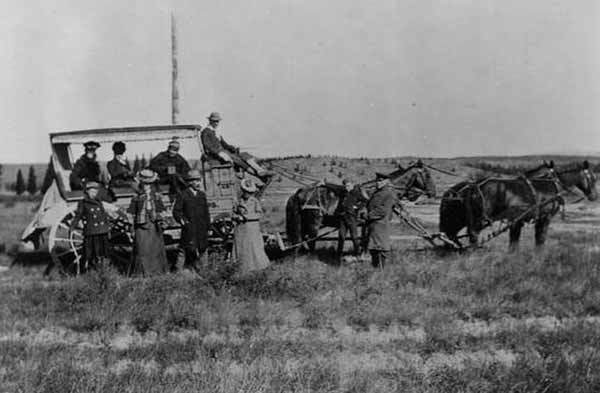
(216, 148)
(86, 168)
(379, 215)
(191, 212)
(170, 166)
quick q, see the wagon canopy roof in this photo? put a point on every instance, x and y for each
(127, 134)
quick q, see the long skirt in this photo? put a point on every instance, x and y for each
(249, 248)
(95, 247)
(150, 255)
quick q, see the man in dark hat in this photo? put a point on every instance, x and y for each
(217, 149)
(351, 202)
(191, 211)
(86, 168)
(171, 167)
(380, 210)
(119, 170)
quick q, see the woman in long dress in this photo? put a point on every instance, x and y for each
(248, 245)
(150, 257)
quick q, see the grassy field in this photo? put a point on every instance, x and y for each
(480, 321)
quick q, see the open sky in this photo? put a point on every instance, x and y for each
(368, 77)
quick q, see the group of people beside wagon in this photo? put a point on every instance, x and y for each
(190, 206)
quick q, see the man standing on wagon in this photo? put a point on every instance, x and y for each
(216, 148)
(380, 210)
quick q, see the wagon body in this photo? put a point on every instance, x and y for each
(56, 212)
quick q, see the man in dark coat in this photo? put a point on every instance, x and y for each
(119, 170)
(86, 168)
(380, 210)
(217, 149)
(191, 211)
(171, 167)
(351, 202)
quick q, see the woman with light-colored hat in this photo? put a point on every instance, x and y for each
(148, 210)
(248, 248)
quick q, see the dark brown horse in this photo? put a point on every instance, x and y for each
(474, 205)
(314, 207)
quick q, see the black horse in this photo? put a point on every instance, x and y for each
(474, 205)
(314, 207)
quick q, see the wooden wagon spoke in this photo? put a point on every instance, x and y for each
(65, 226)
(62, 254)
(62, 239)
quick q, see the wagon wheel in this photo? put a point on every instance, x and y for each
(66, 248)
(121, 242)
(221, 235)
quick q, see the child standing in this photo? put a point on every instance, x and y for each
(96, 226)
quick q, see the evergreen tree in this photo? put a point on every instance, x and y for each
(143, 162)
(31, 181)
(136, 164)
(48, 177)
(20, 184)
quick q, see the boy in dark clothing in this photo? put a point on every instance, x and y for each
(191, 211)
(96, 226)
(352, 201)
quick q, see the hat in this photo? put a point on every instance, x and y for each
(91, 145)
(118, 147)
(194, 174)
(215, 116)
(92, 184)
(174, 143)
(347, 180)
(147, 176)
(248, 185)
(381, 176)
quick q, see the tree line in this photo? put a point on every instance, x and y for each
(512, 170)
(19, 186)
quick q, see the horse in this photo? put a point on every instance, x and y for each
(313, 207)
(475, 205)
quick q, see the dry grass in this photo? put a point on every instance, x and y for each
(481, 322)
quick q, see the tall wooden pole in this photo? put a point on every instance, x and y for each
(174, 90)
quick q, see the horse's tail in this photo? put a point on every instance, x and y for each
(452, 214)
(293, 219)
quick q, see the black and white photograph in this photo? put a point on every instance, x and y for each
(300, 196)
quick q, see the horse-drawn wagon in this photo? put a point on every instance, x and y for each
(56, 212)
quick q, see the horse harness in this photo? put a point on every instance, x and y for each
(537, 204)
(312, 206)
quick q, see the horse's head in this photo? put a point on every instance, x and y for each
(413, 182)
(587, 181)
(580, 176)
(544, 171)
